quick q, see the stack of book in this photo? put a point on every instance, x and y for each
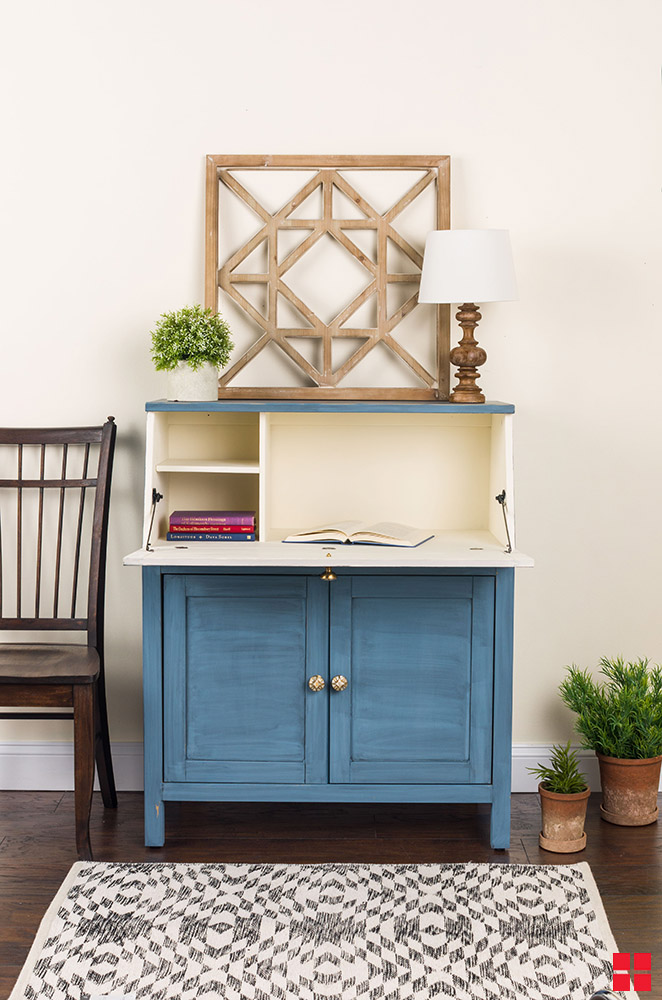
(212, 526)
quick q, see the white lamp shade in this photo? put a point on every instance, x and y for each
(468, 265)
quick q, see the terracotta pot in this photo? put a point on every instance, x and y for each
(563, 819)
(629, 790)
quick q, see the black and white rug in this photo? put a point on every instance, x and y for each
(311, 932)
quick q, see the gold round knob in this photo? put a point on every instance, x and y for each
(339, 683)
(316, 682)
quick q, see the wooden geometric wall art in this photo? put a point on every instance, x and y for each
(284, 237)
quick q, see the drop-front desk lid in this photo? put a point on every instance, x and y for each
(469, 549)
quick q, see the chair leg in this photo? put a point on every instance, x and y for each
(83, 765)
(102, 750)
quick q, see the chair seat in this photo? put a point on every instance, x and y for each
(48, 663)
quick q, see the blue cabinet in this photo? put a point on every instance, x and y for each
(420, 660)
(419, 641)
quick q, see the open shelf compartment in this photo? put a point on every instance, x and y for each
(298, 466)
(200, 461)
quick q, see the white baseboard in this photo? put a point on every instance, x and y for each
(49, 766)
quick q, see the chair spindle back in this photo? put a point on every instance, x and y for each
(54, 499)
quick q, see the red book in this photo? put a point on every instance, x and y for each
(206, 517)
(213, 528)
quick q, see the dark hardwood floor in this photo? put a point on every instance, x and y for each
(37, 849)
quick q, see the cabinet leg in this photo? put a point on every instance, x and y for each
(153, 706)
(503, 707)
(500, 823)
(154, 822)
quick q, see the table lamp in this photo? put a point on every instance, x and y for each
(467, 266)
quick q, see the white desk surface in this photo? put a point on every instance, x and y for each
(448, 548)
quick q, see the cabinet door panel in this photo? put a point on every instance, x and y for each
(238, 652)
(418, 655)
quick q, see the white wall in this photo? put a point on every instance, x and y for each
(550, 112)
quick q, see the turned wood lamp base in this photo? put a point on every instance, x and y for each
(468, 356)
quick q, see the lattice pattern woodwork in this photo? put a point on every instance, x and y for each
(328, 175)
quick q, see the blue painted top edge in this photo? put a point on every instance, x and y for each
(325, 406)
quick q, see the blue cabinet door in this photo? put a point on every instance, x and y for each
(418, 656)
(238, 652)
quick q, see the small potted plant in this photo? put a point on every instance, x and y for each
(563, 799)
(191, 344)
(621, 720)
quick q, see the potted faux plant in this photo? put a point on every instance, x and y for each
(563, 799)
(621, 720)
(191, 344)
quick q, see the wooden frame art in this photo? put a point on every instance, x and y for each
(326, 179)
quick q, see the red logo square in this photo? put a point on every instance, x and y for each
(640, 980)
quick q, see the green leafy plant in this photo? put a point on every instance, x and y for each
(562, 775)
(621, 717)
(192, 334)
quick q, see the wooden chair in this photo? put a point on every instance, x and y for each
(52, 579)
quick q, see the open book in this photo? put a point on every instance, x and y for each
(359, 533)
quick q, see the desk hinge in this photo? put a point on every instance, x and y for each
(501, 499)
(156, 496)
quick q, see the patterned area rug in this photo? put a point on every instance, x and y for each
(310, 932)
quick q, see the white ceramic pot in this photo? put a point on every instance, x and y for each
(185, 383)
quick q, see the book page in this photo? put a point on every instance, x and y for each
(339, 532)
(388, 532)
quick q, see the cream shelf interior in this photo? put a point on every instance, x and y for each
(211, 465)
(438, 467)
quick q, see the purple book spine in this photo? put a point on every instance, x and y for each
(245, 518)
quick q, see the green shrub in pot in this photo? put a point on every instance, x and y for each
(191, 344)
(621, 720)
(564, 796)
